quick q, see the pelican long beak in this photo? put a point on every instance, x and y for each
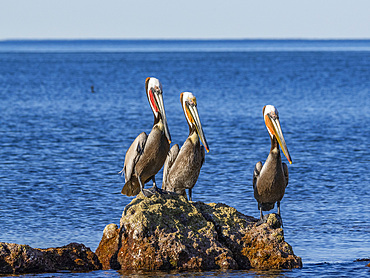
(275, 129)
(163, 114)
(194, 114)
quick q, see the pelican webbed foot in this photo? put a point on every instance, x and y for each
(275, 221)
(153, 190)
(263, 219)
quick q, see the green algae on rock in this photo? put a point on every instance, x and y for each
(166, 232)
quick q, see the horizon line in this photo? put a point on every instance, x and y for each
(181, 39)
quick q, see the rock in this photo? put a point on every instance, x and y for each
(17, 259)
(109, 246)
(364, 260)
(265, 247)
(166, 232)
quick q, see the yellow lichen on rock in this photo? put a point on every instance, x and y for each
(265, 247)
(166, 232)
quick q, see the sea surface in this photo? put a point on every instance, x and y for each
(62, 145)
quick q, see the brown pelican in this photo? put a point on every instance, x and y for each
(271, 179)
(147, 153)
(182, 167)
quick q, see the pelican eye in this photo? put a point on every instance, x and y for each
(195, 101)
(157, 90)
(192, 101)
(273, 115)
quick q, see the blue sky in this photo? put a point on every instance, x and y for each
(190, 19)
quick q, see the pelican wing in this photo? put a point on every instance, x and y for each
(133, 155)
(286, 173)
(203, 155)
(256, 173)
(171, 157)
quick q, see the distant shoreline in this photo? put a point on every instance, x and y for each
(185, 40)
(180, 45)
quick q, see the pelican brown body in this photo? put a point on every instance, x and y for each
(271, 178)
(182, 167)
(147, 153)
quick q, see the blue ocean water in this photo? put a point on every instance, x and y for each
(62, 146)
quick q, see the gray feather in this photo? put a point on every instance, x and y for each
(256, 172)
(171, 157)
(133, 154)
